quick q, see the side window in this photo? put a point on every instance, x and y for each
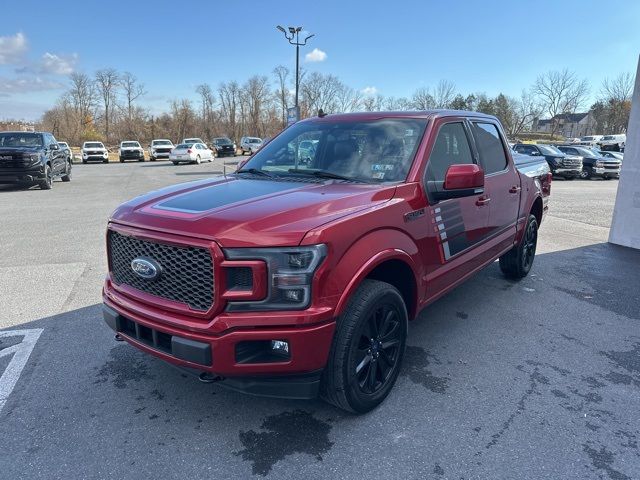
(490, 147)
(451, 148)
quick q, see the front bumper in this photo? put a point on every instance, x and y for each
(90, 158)
(160, 154)
(567, 172)
(606, 172)
(21, 176)
(132, 156)
(217, 354)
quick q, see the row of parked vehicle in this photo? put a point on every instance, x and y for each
(189, 150)
(615, 143)
(575, 161)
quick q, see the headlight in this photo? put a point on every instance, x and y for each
(599, 164)
(290, 273)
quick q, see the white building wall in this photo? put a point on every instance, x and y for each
(625, 229)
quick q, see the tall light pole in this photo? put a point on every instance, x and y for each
(293, 36)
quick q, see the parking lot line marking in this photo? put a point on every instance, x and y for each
(21, 353)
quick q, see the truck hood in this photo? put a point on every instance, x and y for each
(244, 212)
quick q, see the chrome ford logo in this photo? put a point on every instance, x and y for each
(146, 268)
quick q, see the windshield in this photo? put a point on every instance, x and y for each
(549, 150)
(192, 140)
(222, 141)
(254, 140)
(587, 139)
(161, 142)
(587, 151)
(20, 139)
(130, 144)
(368, 151)
(93, 145)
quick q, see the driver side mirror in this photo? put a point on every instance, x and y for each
(463, 180)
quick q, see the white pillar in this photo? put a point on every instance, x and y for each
(625, 228)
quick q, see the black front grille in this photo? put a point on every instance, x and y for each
(186, 272)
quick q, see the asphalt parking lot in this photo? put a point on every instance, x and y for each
(502, 380)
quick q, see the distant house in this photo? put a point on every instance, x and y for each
(11, 125)
(567, 125)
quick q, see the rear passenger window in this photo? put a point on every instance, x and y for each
(451, 148)
(490, 147)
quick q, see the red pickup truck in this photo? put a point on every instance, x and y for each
(296, 276)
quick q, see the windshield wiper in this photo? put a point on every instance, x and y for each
(255, 171)
(325, 174)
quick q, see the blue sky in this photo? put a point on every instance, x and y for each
(392, 47)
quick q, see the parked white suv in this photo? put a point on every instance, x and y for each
(94, 151)
(160, 148)
(590, 140)
(613, 142)
(250, 145)
(131, 150)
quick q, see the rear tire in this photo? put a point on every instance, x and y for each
(175, 163)
(517, 262)
(67, 173)
(367, 349)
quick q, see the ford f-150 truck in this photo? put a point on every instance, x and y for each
(294, 280)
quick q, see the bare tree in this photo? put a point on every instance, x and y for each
(422, 99)
(207, 101)
(444, 94)
(107, 82)
(82, 95)
(133, 90)
(229, 94)
(560, 92)
(282, 93)
(348, 99)
(319, 91)
(256, 95)
(615, 103)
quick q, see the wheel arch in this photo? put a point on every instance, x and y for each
(395, 266)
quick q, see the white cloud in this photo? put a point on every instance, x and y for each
(27, 84)
(52, 64)
(57, 64)
(316, 55)
(369, 91)
(12, 48)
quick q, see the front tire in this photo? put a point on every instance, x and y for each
(367, 349)
(517, 262)
(586, 173)
(47, 183)
(198, 160)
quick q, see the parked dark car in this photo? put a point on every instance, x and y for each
(561, 164)
(32, 158)
(593, 163)
(223, 146)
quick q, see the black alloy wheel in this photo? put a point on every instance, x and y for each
(378, 349)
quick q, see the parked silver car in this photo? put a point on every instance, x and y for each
(250, 145)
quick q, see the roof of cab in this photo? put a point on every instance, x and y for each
(428, 114)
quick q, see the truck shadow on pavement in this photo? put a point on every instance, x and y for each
(498, 377)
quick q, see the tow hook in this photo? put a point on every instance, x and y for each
(119, 338)
(206, 377)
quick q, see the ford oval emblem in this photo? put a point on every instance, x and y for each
(146, 268)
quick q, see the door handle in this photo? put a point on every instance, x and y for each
(481, 201)
(514, 189)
